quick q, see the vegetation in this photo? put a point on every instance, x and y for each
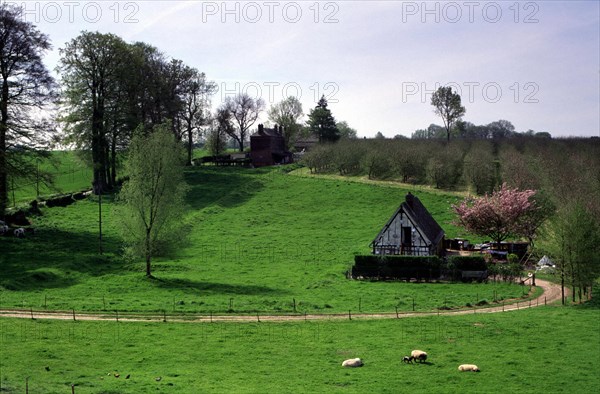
(248, 250)
(506, 212)
(515, 352)
(321, 122)
(153, 196)
(447, 105)
(287, 114)
(26, 88)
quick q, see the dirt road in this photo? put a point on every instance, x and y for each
(552, 293)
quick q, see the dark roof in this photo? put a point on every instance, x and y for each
(420, 216)
(423, 218)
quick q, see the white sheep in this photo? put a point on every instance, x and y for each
(19, 232)
(468, 367)
(3, 229)
(353, 363)
(418, 355)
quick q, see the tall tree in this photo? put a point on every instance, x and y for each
(196, 92)
(26, 88)
(91, 66)
(447, 105)
(506, 212)
(322, 123)
(288, 113)
(243, 111)
(153, 197)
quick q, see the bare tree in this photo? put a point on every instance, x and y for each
(244, 111)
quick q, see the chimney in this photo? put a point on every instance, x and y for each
(260, 129)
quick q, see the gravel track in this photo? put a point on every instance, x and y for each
(551, 294)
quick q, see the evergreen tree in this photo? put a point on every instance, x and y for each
(322, 124)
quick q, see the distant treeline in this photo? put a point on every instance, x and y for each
(563, 169)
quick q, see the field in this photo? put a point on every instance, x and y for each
(262, 241)
(545, 349)
(68, 172)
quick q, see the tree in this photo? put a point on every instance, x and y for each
(244, 110)
(506, 212)
(92, 67)
(322, 123)
(153, 197)
(571, 239)
(346, 132)
(196, 94)
(379, 136)
(447, 105)
(26, 88)
(216, 135)
(288, 113)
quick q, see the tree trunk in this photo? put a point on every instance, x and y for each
(562, 286)
(190, 145)
(148, 255)
(3, 161)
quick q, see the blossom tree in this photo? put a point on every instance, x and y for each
(506, 212)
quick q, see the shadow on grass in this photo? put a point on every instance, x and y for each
(204, 288)
(225, 186)
(52, 259)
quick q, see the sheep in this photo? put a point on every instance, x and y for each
(3, 229)
(408, 359)
(353, 363)
(468, 367)
(418, 355)
(19, 232)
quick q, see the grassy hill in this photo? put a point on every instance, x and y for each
(260, 240)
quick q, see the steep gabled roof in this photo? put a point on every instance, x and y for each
(421, 218)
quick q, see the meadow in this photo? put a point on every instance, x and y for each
(69, 174)
(547, 349)
(260, 241)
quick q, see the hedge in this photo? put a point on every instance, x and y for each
(397, 267)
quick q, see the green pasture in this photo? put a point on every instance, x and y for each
(260, 241)
(69, 174)
(540, 350)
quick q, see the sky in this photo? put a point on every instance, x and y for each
(533, 63)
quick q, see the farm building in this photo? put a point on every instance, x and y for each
(410, 231)
(267, 147)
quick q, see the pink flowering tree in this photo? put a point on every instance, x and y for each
(505, 213)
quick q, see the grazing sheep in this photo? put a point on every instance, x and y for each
(3, 229)
(353, 363)
(418, 355)
(468, 367)
(19, 232)
(408, 359)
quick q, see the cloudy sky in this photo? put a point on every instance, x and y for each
(534, 63)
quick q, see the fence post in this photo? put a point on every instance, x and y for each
(413, 300)
(31, 309)
(397, 313)
(349, 315)
(74, 315)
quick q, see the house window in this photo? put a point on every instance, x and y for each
(406, 236)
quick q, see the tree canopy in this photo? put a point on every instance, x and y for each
(506, 212)
(447, 105)
(153, 197)
(26, 88)
(322, 123)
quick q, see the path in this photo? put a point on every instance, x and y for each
(552, 293)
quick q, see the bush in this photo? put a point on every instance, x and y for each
(397, 267)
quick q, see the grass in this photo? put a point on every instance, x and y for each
(70, 174)
(545, 349)
(260, 241)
